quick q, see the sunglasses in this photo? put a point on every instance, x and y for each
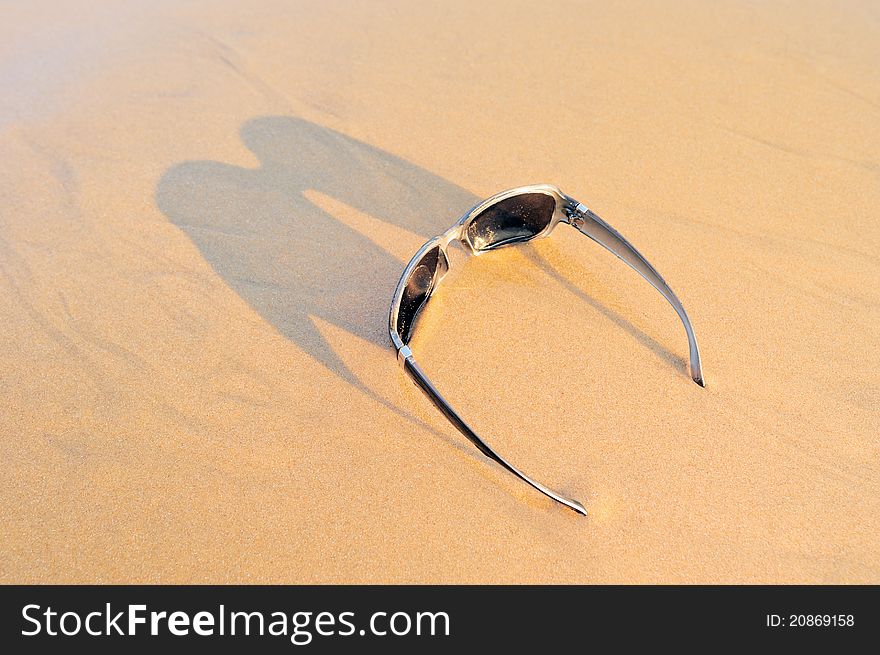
(508, 218)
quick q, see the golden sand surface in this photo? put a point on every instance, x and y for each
(205, 208)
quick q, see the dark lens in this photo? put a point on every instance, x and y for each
(418, 287)
(518, 218)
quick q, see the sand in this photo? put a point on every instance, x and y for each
(204, 210)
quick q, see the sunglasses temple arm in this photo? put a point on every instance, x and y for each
(418, 376)
(587, 222)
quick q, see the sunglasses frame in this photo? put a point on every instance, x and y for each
(566, 210)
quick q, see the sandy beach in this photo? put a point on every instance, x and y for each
(204, 211)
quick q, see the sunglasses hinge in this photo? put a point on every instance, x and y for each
(402, 354)
(576, 212)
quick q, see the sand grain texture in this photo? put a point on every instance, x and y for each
(204, 210)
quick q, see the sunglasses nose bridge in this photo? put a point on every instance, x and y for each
(454, 233)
